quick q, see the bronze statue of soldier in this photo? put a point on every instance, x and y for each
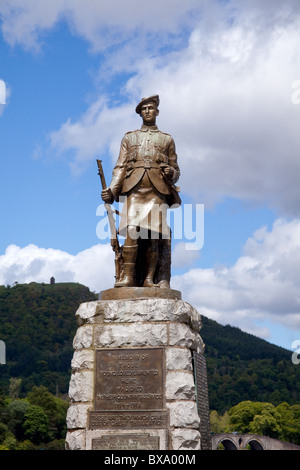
(146, 173)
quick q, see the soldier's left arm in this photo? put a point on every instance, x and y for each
(172, 161)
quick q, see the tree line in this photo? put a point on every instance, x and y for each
(37, 324)
(242, 367)
(279, 422)
(37, 421)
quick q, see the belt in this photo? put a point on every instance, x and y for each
(147, 164)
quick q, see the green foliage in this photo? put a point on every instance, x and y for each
(290, 422)
(37, 421)
(9, 443)
(36, 425)
(38, 325)
(256, 418)
(279, 422)
(27, 445)
(3, 432)
(218, 424)
(54, 408)
(14, 417)
(242, 367)
(266, 424)
(14, 387)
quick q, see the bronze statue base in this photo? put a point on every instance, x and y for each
(119, 293)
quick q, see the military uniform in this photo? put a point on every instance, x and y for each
(138, 174)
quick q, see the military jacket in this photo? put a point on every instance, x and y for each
(145, 151)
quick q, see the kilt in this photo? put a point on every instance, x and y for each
(145, 210)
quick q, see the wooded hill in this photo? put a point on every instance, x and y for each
(37, 324)
(244, 367)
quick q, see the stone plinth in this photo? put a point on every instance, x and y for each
(132, 364)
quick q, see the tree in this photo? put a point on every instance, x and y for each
(255, 417)
(241, 415)
(218, 424)
(36, 425)
(41, 396)
(16, 411)
(14, 387)
(9, 442)
(290, 422)
(266, 424)
(3, 432)
(54, 408)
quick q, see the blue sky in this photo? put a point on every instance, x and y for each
(227, 74)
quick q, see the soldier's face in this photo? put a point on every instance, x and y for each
(149, 112)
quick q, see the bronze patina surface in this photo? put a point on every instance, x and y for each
(126, 442)
(128, 419)
(144, 176)
(139, 293)
(129, 379)
(129, 389)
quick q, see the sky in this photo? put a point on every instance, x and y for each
(228, 77)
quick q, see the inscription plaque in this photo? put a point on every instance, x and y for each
(126, 442)
(128, 419)
(129, 389)
(200, 373)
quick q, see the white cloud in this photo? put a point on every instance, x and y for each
(227, 101)
(263, 285)
(226, 94)
(92, 267)
(98, 131)
(225, 79)
(22, 21)
(183, 258)
(226, 97)
(102, 24)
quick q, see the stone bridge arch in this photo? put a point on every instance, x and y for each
(235, 441)
(239, 441)
(228, 444)
(254, 442)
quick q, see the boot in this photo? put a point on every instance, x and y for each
(129, 256)
(152, 257)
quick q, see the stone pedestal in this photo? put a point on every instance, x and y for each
(132, 384)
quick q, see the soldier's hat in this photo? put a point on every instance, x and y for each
(150, 99)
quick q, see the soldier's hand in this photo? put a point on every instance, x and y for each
(107, 196)
(168, 171)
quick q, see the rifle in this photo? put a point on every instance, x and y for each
(114, 236)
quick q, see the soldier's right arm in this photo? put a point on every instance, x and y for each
(107, 196)
(119, 170)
